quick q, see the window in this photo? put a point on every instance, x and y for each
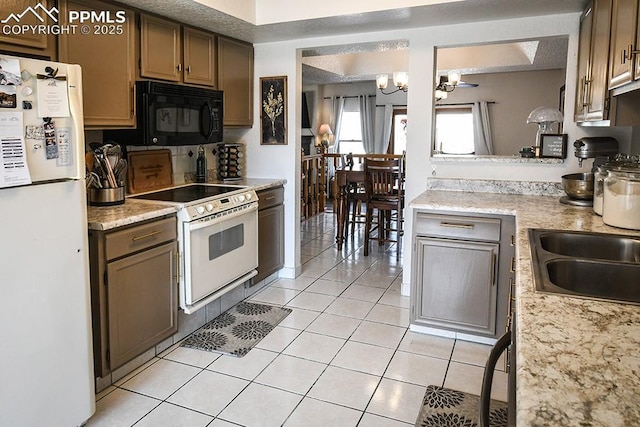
(351, 133)
(454, 131)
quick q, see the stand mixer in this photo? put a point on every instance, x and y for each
(579, 186)
(600, 148)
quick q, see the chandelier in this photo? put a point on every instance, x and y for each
(400, 81)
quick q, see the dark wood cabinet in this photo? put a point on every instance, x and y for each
(160, 49)
(592, 92)
(134, 290)
(623, 46)
(170, 51)
(270, 232)
(41, 46)
(235, 79)
(116, 69)
(200, 53)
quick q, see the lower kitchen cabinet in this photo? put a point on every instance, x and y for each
(134, 294)
(462, 270)
(270, 232)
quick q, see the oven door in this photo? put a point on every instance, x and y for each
(218, 250)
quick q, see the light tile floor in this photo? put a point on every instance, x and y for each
(343, 357)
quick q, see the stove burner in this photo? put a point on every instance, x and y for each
(187, 193)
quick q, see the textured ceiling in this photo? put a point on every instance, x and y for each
(197, 14)
(336, 63)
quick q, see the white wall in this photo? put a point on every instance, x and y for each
(275, 59)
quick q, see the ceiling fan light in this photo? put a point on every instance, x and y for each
(453, 78)
(382, 81)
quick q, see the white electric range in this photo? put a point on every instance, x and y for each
(217, 238)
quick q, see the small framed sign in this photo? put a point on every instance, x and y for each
(553, 145)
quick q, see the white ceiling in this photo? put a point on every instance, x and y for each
(354, 62)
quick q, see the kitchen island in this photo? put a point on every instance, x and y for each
(578, 360)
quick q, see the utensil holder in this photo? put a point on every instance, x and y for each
(106, 196)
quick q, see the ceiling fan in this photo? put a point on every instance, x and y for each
(448, 83)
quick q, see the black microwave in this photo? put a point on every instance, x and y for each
(171, 114)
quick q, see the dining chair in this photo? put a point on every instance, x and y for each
(384, 195)
(356, 197)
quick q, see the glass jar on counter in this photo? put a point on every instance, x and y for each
(598, 183)
(621, 204)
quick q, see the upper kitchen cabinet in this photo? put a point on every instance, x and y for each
(42, 46)
(624, 43)
(199, 57)
(235, 79)
(171, 52)
(108, 83)
(592, 95)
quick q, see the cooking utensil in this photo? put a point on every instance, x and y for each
(578, 185)
(120, 171)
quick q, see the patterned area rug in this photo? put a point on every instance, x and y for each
(443, 407)
(238, 329)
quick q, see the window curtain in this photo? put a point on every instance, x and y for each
(335, 120)
(387, 125)
(367, 117)
(482, 140)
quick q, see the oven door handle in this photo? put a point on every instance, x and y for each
(197, 224)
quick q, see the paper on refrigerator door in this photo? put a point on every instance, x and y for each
(13, 154)
(53, 97)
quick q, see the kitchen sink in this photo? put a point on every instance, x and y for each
(591, 245)
(596, 279)
(591, 265)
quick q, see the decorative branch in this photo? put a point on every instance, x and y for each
(273, 107)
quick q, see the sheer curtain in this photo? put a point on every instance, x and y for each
(387, 123)
(337, 107)
(367, 117)
(482, 140)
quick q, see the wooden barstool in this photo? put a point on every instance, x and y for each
(384, 194)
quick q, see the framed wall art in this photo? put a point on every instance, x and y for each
(553, 145)
(273, 110)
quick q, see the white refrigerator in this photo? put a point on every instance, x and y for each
(46, 361)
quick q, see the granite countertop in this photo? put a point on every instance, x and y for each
(578, 360)
(132, 211)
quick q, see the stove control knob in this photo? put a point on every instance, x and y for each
(209, 207)
(200, 210)
(248, 196)
(241, 198)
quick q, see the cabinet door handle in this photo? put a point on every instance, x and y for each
(511, 283)
(270, 198)
(512, 268)
(455, 225)
(494, 260)
(189, 69)
(587, 93)
(179, 67)
(145, 236)
(177, 276)
(623, 58)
